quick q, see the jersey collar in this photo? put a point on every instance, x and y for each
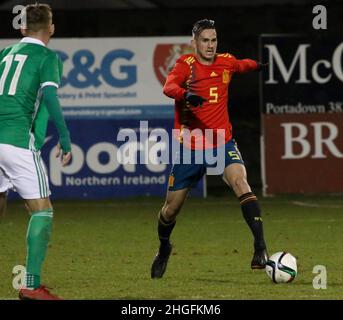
(32, 40)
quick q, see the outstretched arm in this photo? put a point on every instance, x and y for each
(246, 65)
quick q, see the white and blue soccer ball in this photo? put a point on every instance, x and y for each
(281, 267)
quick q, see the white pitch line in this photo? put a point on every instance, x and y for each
(316, 205)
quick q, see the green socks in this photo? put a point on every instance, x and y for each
(37, 239)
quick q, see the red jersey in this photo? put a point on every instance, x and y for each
(211, 82)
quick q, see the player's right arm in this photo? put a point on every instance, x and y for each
(174, 86)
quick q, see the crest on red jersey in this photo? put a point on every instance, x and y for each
(226, 76)
(165, 56)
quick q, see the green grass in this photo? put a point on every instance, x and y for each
(103, 250)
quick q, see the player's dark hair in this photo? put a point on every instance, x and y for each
(38, 16)
(201, 25)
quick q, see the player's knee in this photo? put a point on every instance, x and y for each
(240, 185)
(170, 211)
(38, 205)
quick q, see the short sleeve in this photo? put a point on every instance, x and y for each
(51, 71)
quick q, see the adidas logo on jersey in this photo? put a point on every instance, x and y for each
(213, 74)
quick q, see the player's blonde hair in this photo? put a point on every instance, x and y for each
(38, 16)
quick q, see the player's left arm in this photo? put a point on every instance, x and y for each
(246, 65)
(51, 102)
(51, 71)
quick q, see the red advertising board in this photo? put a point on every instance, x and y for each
(303, 153)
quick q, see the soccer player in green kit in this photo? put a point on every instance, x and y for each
(30, 74)
(40, 133)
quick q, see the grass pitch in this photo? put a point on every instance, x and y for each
(104, 249)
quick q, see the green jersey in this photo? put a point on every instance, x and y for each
(25, 68)
(40, 126)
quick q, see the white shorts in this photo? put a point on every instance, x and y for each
(5, 183)
(23, 170)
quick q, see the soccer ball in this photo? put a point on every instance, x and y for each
(281, 267)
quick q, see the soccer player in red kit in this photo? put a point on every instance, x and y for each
(199, 84)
